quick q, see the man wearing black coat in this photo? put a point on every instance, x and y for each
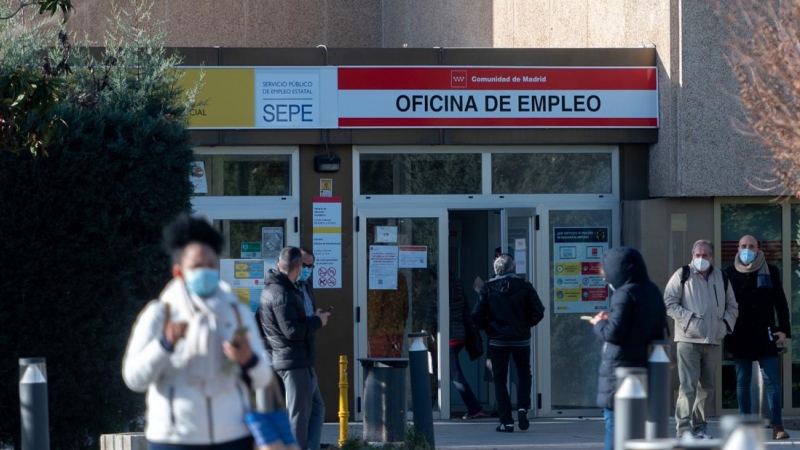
(289, 337)
(507, 309)
(760, 296)
(636, 317)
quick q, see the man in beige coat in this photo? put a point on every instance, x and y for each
(704, 308)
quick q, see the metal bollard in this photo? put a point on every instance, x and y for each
(344, 414)
(421, 386)
(748, 435)
(658, 382)
(35, 425)
(630, 410)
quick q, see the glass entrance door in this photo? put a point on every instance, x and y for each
(254, 236)
(402, 262)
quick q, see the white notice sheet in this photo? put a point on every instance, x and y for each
(383, 267)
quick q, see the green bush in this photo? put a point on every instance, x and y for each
(80, 252)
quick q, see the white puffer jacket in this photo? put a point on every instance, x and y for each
(179, 412)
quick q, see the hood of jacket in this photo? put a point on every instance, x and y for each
(507, 285)
(624, 265)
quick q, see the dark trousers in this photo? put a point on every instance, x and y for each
(301, 386)
(500, 358)
(460, 382)
(239, 444)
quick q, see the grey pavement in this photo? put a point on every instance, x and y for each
(544, 433)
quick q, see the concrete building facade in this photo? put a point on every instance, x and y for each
(694, 177)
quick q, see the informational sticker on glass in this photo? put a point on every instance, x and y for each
(413, 256)
(327, 238)
(251, 250)
(246, 277)
(386, 235)
(198, 177)
(383, 267)
(521, 261)
(578, 285)
(271, 243)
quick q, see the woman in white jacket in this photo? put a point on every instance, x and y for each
(196, 350)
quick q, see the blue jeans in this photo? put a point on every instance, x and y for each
(769, 371)
(239, 444)
(608, 443)
(460, 382)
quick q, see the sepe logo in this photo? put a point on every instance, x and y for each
(458, 78)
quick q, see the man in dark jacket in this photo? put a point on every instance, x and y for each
(636, 317)
(507, 309)
(289, 335)
(760, 296)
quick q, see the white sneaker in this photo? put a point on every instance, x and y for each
(702, 434)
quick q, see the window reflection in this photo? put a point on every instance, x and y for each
(556, 173)
(420, 173)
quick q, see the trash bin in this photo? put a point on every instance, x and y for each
(758, 390)
(384, 401)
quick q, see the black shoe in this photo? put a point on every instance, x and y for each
(522, 417)
(505, 428)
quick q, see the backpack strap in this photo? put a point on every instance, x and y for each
(684, 276)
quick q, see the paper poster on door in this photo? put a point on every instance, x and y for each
(383, 266)
(327, 238)
(578, 285)
(246, 277)
(198, 177)
(271, 244)
(413, 256)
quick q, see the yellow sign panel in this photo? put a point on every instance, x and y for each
(567, 268)
(567, 295)
(228, 97)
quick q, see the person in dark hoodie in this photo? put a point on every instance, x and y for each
(289, 335)
(507, 309)
(636, 317)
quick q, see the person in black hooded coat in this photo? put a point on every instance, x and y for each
(636, 317)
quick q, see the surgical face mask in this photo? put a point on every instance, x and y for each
(305, 272)
(701, 264)
(201, 281)
(747, 256)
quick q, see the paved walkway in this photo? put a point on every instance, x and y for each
(543, 434)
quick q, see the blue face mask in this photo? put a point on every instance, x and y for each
(202, 281)
(747, 256)
(305, 272)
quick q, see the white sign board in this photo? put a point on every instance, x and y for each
(246, 277)
(578, 285)
(327, 225)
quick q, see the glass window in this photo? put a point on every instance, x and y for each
(794, 306)
(252, 239)
(763, 221)
(247, 175)
(551, 173)
(760, 220)
(420, 173)
(573, 343)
